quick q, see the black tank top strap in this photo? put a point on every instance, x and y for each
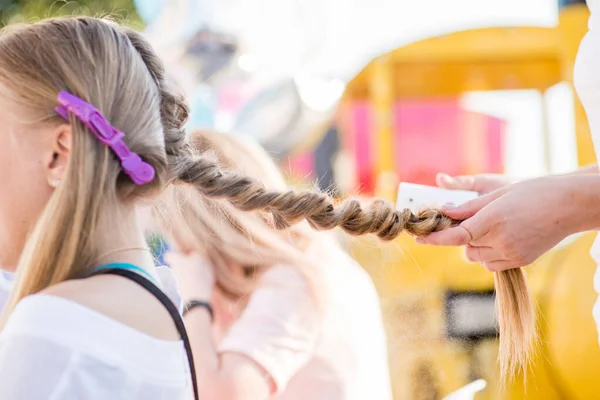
(167, 303)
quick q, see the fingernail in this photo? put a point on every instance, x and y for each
(448, 206)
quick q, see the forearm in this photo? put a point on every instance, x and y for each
(226, 377)
(582, 202)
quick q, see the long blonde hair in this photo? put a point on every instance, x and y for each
(114, 69)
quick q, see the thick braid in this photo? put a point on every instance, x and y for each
(318, 209)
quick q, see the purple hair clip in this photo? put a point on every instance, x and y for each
(138, 170)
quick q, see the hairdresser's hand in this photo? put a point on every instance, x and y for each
(482, 183)
(195, 277)
(513, 226)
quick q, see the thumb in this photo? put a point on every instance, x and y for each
(464, 182)
(471, 207)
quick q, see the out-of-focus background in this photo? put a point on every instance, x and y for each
(359, 95)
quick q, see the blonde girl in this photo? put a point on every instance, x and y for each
(88, 125)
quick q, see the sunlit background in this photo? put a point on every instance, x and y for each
(324, 44)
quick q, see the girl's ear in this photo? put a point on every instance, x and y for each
(58, 155)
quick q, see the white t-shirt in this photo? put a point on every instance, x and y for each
(587, 83)
(53, 348)
(336, 353)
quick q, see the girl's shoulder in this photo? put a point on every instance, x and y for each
(117, 300)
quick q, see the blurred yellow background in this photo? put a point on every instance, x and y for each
(413, 279)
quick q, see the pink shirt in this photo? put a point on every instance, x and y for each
(338, 353)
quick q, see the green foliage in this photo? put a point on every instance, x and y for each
(12, 11)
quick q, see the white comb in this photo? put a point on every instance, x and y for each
(416, 197)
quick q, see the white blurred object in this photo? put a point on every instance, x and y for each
(247, 62)
(467, 392)
(416, 197)
(320, 94)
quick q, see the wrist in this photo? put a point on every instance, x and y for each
(197, 306)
